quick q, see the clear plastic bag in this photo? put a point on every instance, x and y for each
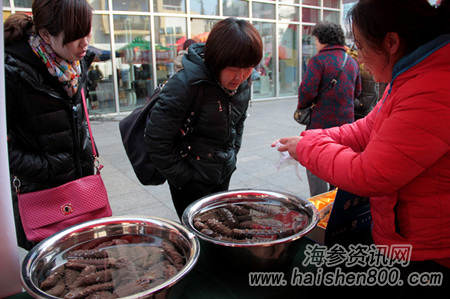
(286, 160)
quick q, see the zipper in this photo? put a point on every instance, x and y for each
(77, 141)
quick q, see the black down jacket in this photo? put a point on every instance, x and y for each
(217, 133)
(48, 141)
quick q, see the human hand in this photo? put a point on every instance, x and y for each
(288, 144)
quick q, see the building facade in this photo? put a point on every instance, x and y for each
(136, 42)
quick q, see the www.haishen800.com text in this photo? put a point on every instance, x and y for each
(384, 276)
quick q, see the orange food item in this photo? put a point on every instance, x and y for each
(320, 202)
(323, 200)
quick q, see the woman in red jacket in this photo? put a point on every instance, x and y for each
(399, 155)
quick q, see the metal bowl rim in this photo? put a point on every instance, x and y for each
(32, 255)
(187, 221)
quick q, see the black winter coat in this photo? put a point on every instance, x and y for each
(217, 133)
(48, 140)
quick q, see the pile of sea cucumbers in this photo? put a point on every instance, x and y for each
(114, 268)
(250, 222)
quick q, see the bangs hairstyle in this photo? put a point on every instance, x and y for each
(72, 17)
(234, 43)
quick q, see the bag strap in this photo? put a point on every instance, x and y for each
(94, 151)
(334, 81)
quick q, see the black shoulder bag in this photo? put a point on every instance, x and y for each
(303, 116)
(132, 130)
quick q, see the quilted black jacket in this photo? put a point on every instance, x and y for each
(217, 133)
(48, 141)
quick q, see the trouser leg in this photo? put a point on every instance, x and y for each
(316, 185)
(185, 195)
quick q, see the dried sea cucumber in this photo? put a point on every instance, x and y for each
(82, 292)
(228, 217)
(92, 278)
(205, 216)
(58, 289)
(137, 286)
(250, 233)
(219, 227)
(82, 263)
(237, 210)
(87, 254)
(172, 254)
(266, 209)
(54, 277)
(86, 275)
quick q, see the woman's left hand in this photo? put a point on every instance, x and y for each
(288, 144)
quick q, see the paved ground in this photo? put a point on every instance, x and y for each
(256, 168)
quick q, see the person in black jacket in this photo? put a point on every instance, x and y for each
(46, 64)
(218, 74)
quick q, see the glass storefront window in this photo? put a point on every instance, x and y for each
(311, 2)
(169, 39)
(331, 16)
(263, 10)
(100, 78)
(308, 46)
(288, 61)
(200, 29)
(264, 86)
(169, 6)
(129, 79)
(234, 8)
(288, 13)
(310, 15)
(132, 40)
(99, 4)
(331, 3)
(205, 7)
(22, 3)
(135, 5)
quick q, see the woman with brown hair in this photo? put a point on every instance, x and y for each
(46, 64)
(218, 75)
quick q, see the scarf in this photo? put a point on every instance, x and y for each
(67, 72)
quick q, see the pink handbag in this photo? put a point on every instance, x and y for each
(46, 212)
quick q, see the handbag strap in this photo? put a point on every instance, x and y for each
(94, 151)
(334, 81)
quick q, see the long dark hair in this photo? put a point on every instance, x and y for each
(233, 42)
(415, 21)
(72, 17)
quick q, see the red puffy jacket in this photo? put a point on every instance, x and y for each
(399, 155)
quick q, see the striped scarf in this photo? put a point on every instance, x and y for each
(67, 72)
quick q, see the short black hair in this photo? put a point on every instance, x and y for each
(329, 33)
(233, 42)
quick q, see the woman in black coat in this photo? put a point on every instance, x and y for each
(217, 74)
(46, 63)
